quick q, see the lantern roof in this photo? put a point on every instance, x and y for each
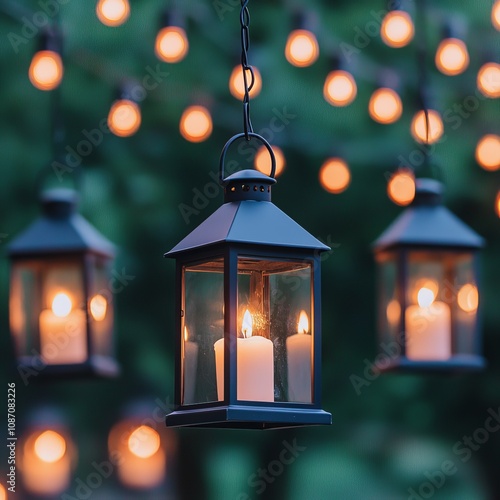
(60, 229)
(248, 217)
(428, 223)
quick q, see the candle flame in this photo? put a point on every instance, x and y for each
(61, 305)
(186, 336)
(246, 327)
(425, 297)
(50, 446)
(303, 326)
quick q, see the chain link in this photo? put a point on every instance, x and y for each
(247, 70)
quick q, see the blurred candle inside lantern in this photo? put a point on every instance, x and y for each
(237, 85)
(171, 44)
(427, 130)
(452, 57)
(302, 48)
(255, 365)
(401, 187)
(62, 332)
(98, 307)
(340, 88)
(196, 124)
(488, 152)
(397, 29)
(488, 80)
(124, 118)
(112, 12)
(385, 106)
(46, 70)
(262, 160)
(334, 175)
(428, 328)
(299, 360)
(190, 367)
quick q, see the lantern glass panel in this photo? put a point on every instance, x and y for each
(202, 326)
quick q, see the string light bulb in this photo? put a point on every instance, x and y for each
(124, 118)
(46, 70)
(397, 29)
(171, 44)
(452, 57)
(112, 12)
(495, 15)
(488, 152)
(401, 187)
(340, 88)
(302, 48)
(385, 106)
(423, 134)
(262, 160)
(334, 175)
(196, 124)
(488, 80)
(237, 86)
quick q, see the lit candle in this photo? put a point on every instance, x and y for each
(428, 328)
(190, 367)
(255, 365)
(62, 332)
(298, 348)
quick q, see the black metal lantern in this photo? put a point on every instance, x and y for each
(61, 304)
(428, 288)
(248, 320)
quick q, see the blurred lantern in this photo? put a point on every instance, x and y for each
(334, 175)
(340, 87)
(124, 117)
(46, 68)
(263, 164)
(495, 15)
(385, 106)
(427, 130)
(196, 124)
(302, 48)
(171, 44)
(428, 288)
(397, 29)
(488, 80)
(237, 86)
(488, 152)
(401, 187)
(61, 308)
(452, 57)
(112, 12)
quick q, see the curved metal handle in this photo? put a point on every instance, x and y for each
(240, 136)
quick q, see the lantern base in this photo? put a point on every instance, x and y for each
(456, 363)
(247, 417)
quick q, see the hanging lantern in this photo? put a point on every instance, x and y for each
(61, 305)
(428, 290)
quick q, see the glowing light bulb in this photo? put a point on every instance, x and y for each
(237, 86)
(262, 160)
(61, 305)
(452, 57)
(340, 88)
(196, 124)
(50, 446)
(495, 15)
(334, 175)
(468, 298)
(497, 204)
(401, 187)
(144, 442)
(488, 80)
(171, 44)
(397, 29)
(112, 12)
(488, 152)
(247, 325)
(385, 106)
(46, 70)
(419, 127)
(124, 118)
(303, 325)
(98, 307)
(302, 48)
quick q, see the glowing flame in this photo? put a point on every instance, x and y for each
(61, 305)
(186, 335)
(144, 442)
(468, 298)
(425, 297)
(50, 446)
(246, 327)
(98, 307)
(303, 326)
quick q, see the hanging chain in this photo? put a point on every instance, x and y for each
(247, 70)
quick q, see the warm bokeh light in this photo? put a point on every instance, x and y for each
(61, 305)
(144, 442)
(393, 312)
(262, 160)
(497, 204)
(334, 175)
(98, 307)
(488, 80)
(46, 70)
(397, 29)
(112, 12)
(495, 15)
(452, 57)
(488, 152)
(302, 48)
(303, 324)
(425, 297)
(171, 44)
(124, 118)
(237, 86)
(50, 446)
(385, 106)
(419, 127)
(340, 88)
(196, 124)
(401, 187)
(468, 298)
(430, 287)
(3, 492)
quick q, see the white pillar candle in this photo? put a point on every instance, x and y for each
(428, 328)
(62, 332)
(298, 348)
(255, 365)
(190, 367)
